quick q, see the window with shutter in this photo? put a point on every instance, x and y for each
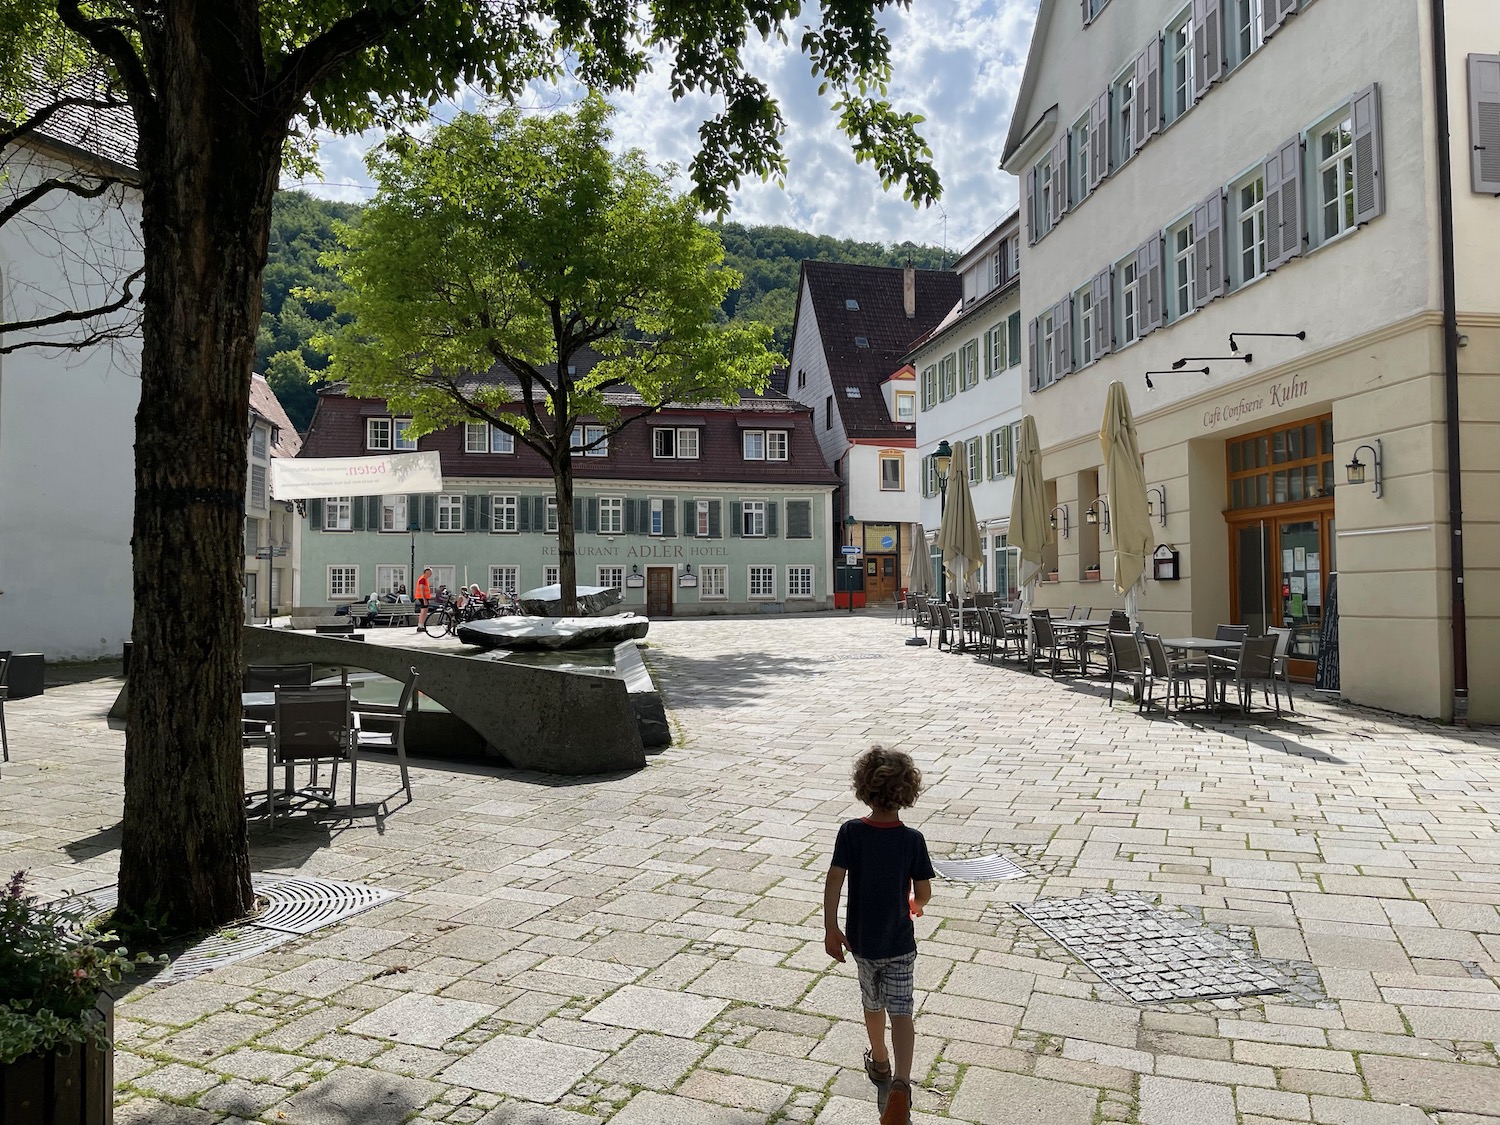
(1276, 13)
(1208, 250)
(1062, 319)
(1208, 45)
(1033, 331)
(315, 515)
(1369, 178)
(1083, 302)
(429, 512)
(735, 518)
(1284, 201)
(1148, 93)
(1104, 317)
(669, 518)
(1059, 180)
(523, 514)
(1031, 212)
(1484, 122)
(771, 529)
(799, 519)
(471, 513)
(715, 519)
(1244, 30)
(1099, 141)
(1178, 94)
(1154, 285)
(1081, 150)
(992, 471)
(1013, 332)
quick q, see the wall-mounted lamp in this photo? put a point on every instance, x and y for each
(1150, 386)
(1234, 337)
(1355, 469)
(1178, 365)
(1098, 512)
(1156, 503)
(1064, 526)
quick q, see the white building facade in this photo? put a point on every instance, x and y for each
(273, 529)
(1232, 207)
(969, 387)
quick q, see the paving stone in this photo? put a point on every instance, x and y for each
(422, 1021)
(657, 1062)
(320, 977)
(354, 943)
(177, 1081)
(655, 1009)
(1172, 1101)
(1477, 1024)
(354, 1093)
(755, 984)
(1082, 1019)
(994, 1095)
(183, 1003)
(734, 1090)
(1432, 1085)
(532, 1069)
(663, 1109)
(524, 1113)
(242, 1098)
(255, 1065)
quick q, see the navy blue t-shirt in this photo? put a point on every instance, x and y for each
(882, 861)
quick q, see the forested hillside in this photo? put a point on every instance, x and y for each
(769, 258)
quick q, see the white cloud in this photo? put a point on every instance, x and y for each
(956, 62)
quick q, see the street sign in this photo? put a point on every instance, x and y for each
(887, 542)
(851, 550)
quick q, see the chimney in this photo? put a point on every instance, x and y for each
(909, 289)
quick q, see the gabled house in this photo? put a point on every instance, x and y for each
(272, 528)
(853, 328)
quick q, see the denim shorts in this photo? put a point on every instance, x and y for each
(887, 984)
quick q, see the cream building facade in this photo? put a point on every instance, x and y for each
(1199, 174)
(969, 387)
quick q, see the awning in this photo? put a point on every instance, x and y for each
(304, 478)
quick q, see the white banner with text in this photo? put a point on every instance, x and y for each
(304, 478)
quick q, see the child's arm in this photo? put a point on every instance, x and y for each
(921, 895)
(833, 937)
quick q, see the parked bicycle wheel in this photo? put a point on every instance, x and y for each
(439, 623)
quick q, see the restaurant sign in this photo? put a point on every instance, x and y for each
(1242, 408)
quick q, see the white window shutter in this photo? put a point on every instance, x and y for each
(1274, 13)
(1147, 105)
(1062, 320)
(1034, 350)
(1059, 180)
(1031, 215)
(1208, 249)
(1208, 45)
(1102, 289)
(1284, 207)
(1369, 172)
(1099, 141)
(1148, 272)
(1484, 122)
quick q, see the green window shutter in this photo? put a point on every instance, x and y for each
(578, 513)
(1013, 333)
(539, 513)
(593, 515)
(631, 523)
(429, 512)
(715, 521)
(486, 518)
(989, 353)
(315, 514)
(372, 513)
(799, 519)
(771, 531)
(523, 513)
(471, 512)
(734, 520)
(669, 518)
(989, 456)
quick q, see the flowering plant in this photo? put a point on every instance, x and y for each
(52, 969)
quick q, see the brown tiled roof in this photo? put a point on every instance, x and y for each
(881, 321)
(959, 313)
(263, 401)
(338, 430)
(107, 134)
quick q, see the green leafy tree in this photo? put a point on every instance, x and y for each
(222, 93)
(513, 271)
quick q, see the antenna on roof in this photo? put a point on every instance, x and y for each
(944, 214)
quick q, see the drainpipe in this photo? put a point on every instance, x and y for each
(1450, 364)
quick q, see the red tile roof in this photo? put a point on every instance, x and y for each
(338, 430)
(881, 322)
(263, 401)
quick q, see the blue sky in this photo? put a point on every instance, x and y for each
(957, 62)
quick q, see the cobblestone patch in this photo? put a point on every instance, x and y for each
(1148, 955)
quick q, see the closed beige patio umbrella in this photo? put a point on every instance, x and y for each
(918, 574)
(1129, 507)
(1030, 530)
(958, 537)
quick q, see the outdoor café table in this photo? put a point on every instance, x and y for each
(1205, 645)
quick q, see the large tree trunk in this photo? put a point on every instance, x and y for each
(567, 542)
(210, 171)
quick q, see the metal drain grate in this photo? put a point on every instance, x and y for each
(295, 905)
(982, 869)
(1148, 954)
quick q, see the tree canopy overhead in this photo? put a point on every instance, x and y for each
(513, 270)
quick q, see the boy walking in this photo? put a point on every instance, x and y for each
(889, 875)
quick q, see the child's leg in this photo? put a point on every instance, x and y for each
(875, 1029)
(903, 1042)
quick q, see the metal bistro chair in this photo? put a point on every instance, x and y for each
(992, 631)
(1126, 662)
(1119, 622)
(1174, 671)
(944, 619)
(1254, 664)
(4, 691)
(1279, 665)
(1046, 643)
(392, 717)
(269, 677)
(313, 725)
(1231, 632)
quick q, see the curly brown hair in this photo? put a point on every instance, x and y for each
(886, 779)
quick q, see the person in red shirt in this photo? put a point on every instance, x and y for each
(423, 596)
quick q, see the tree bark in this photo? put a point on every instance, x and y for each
(567, 532)
(210, 164)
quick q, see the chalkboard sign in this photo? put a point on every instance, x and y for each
(1327, 678)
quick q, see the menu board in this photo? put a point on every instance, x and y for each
(1327, 677)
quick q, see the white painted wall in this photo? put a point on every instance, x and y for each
(868, 502)
(807, 356)
(1378, 275)
(67, 435)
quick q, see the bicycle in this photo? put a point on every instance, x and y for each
(440, 621)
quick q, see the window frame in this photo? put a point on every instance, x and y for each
(1245, 35)
(801, 569)
(1083, 303)
(999, 348)
(1343, 165)
(1255, 216)
(506, 440)
(1130, 289)
(1122, 117)
(929, 386)
(483, 435)
(702, 518)
(974, 455)
(1182, 291)
(713, 577)
(900, 462)
(760, 436)
(1042, 220)
(749, 508)
(750, 577)
(332, 506)
(596, 433)
(501, 502)
(1081, 138)
(549, 518)
(379, 444)
(352, 576)
(551, 574)
(390, 503)
(656, 516)
(1179, 61)
(910, 398)
(601, 572)
(687, 435)
(450, 502)
(948, 377)
(968, 365)
(615, 505)
(778, 448)
(1046, 332)
(499, 583)
(399, 575)
(400, 443)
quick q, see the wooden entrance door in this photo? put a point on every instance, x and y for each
(881, 581)
(659, 590)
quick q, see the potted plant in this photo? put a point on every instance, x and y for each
(1052, 576)
(1091, 574)
(56, 1014)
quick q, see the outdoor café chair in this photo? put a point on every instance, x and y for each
(992, 629)
(1231, 632)
(392, 717)
(944, 621)
(1254, 665)
(1045, 642)
(1174, 671)
(1119, 622)
(269, 677)
(1278, 662)
(1126, 662)
(1083, 613)
(312, 725)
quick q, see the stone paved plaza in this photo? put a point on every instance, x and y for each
(647, 949)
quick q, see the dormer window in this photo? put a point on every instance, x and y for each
(851, 304)
(852, 392)
(861, 342)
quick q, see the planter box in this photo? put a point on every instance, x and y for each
(73, 1085)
